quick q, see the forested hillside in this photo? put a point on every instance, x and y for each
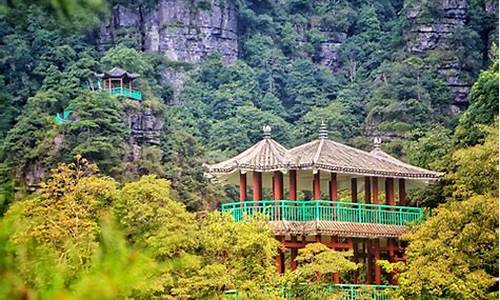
(421, 75)
(217, 71)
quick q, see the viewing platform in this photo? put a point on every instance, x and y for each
(132, 94)
(328, 217)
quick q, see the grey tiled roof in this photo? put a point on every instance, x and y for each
(265, 156)
(325, 154)
(322, 154)
(118, 72)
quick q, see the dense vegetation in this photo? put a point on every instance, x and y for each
(101, 225)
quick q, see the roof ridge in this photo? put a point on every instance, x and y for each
(273, 148)
(318, 151)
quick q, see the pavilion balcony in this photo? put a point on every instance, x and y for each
(324, 210)
(121, 91)
(328, 217)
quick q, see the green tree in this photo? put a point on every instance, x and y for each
(316, 265)
(454, 255)
(475, 169)
(153, 220)
(98, 131)
(483, 106)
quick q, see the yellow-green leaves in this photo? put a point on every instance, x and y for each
(454, 255)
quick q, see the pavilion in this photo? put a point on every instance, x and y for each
(119, 82)
(357, 199)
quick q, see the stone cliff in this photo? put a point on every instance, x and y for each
(145, 125)
(432, 26)
(179, 29)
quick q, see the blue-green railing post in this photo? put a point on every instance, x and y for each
(316, 210)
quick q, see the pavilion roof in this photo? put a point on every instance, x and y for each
(117, 73)
(265, 156)
(328, 155)
(321, 154)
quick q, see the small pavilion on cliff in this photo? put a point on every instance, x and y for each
(358, 199)
(119, 82)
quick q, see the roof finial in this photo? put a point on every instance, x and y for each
(266, 132)
(323, 131)
(377, 141)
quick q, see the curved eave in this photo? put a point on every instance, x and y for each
(382, 155)
(245, 168)
(363, 172)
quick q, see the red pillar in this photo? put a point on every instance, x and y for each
(316, 186)
(354, 190)
(391, 248)
(293, 184)
(402, 192)
(356, 259)
(293, 254)
(280, 257)
(278, 185)
(333, 187)
(243, 187)
(369, 262)
(389, 191)
(376, 257)
(375, 190)
(368, 191)
(336, 278)
(257, 186)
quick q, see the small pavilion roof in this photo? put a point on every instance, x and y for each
(325, 154)
(117, 73)
(265, 156)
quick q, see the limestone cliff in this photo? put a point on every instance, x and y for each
(145, 125)
(179, 29)
(432, 25)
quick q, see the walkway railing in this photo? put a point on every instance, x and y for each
(360, 291)
(133, 94)
(345, 291)
(323, 210)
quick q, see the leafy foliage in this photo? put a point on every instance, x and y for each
(454, 255)
(65, 241)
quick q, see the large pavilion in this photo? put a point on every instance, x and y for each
(357, 199)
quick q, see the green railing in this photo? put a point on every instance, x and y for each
(323, 210)
(133, 94)
(345, 291)
(359, 291)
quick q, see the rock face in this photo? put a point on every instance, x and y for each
(432, 28)
(145, 126)
(179, 29)
(328, 54)
(431, 32)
